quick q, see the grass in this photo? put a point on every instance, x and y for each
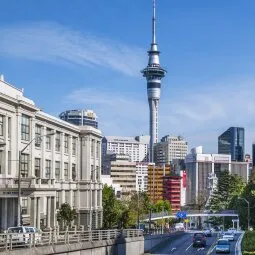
(248, 243)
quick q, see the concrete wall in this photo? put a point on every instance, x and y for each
(134, 246)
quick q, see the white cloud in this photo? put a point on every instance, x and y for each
(52, 42)
(200, 116)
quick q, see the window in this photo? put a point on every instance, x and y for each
(98, 150)
(37, 167)
(66, 143)
(92, 172)
(74, 146)
(57, 141)
(9, 162)
(97, 172)
(73, 172)
(9, 126)
(1, 125)
(57, 200)
(24, 165)
(57, 170)
(48, 139)
(92, 148)
(38, 134)
(66, 171)
(24, 205)
(25, 127)
(1, 162)
(48, 169)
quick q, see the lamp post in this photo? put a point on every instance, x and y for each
(19, 176)
(248, 203)
(138, 211)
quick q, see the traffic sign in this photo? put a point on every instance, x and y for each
(181, 215)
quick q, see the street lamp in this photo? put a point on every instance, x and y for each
(19, 176)
(248, 203)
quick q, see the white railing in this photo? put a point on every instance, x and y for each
(30, 240)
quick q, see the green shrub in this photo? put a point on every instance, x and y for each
(248, 243)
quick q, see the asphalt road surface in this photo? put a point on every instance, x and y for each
(183, 245)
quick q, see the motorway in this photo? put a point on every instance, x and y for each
(183, 246)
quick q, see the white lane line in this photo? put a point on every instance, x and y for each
(237, 243)
(189, 246)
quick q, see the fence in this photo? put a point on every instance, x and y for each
(11, 241)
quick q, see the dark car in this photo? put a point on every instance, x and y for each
(199, 239)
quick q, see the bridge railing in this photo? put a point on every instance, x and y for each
(28, 240)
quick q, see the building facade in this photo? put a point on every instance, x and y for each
(170, 148)
(172, 191)
(142, 177)
(203, 171)
(107, 180)
(123, 173)
(232, 142)
(135, 147)
(80, 117)
(155, 181)
(61, 164)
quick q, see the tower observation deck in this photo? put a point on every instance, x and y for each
(153, 74)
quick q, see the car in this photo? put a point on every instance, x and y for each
(199, 239)
(229, 236)
(207, 232)
(232, 230)
(18, 235)
(35, 233)
(223, 246)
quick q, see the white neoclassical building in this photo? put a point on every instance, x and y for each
(63, 167)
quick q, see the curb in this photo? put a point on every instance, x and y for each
(238, 248)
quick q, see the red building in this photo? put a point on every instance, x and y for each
(172, 191)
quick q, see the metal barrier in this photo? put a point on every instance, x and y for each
(28, 240)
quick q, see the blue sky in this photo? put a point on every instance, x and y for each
(88, 54)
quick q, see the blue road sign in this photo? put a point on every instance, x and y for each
(181, 215)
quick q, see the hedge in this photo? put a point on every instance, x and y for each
(248, 243)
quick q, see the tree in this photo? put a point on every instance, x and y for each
(66, 215)
(111, 208)
(162, 205)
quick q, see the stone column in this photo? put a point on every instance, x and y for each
(5, 212)
(38, 212)
(53, 212)
(48, 212)
(33, 211)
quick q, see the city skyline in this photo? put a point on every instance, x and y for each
(87, 63)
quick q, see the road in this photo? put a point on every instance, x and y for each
(183, 246)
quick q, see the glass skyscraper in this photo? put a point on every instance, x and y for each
(232, 142)
(80, 117)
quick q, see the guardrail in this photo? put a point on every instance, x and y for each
(29, 240)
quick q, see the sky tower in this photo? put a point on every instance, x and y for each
(153, 74)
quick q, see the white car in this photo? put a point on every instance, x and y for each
(18, 235)
(232, 230)
(229, 236)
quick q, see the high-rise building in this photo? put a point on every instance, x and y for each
(232, 142)
(253, 156)
(142, 177)
(59, 163)
(155, 181)
(153, 74)
(172, 191)
(80, 117)
(170, 148)
(203, 169)
(123, 172)
(135, 147)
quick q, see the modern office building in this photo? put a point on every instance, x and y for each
(153, 74)
(59, 162)
(172, 191)
(170, 148)
(123, 173)
(183, 186)
(232, 142)
(155, 181)
(80, 117)
(142, 177)
(203, 170)
(107, 180)
(135, 147)
(253, 156)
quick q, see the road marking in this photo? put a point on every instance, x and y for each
(237, 242)
(173, 249)
(189, 246)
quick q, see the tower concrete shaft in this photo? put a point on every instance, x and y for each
(153, 74)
